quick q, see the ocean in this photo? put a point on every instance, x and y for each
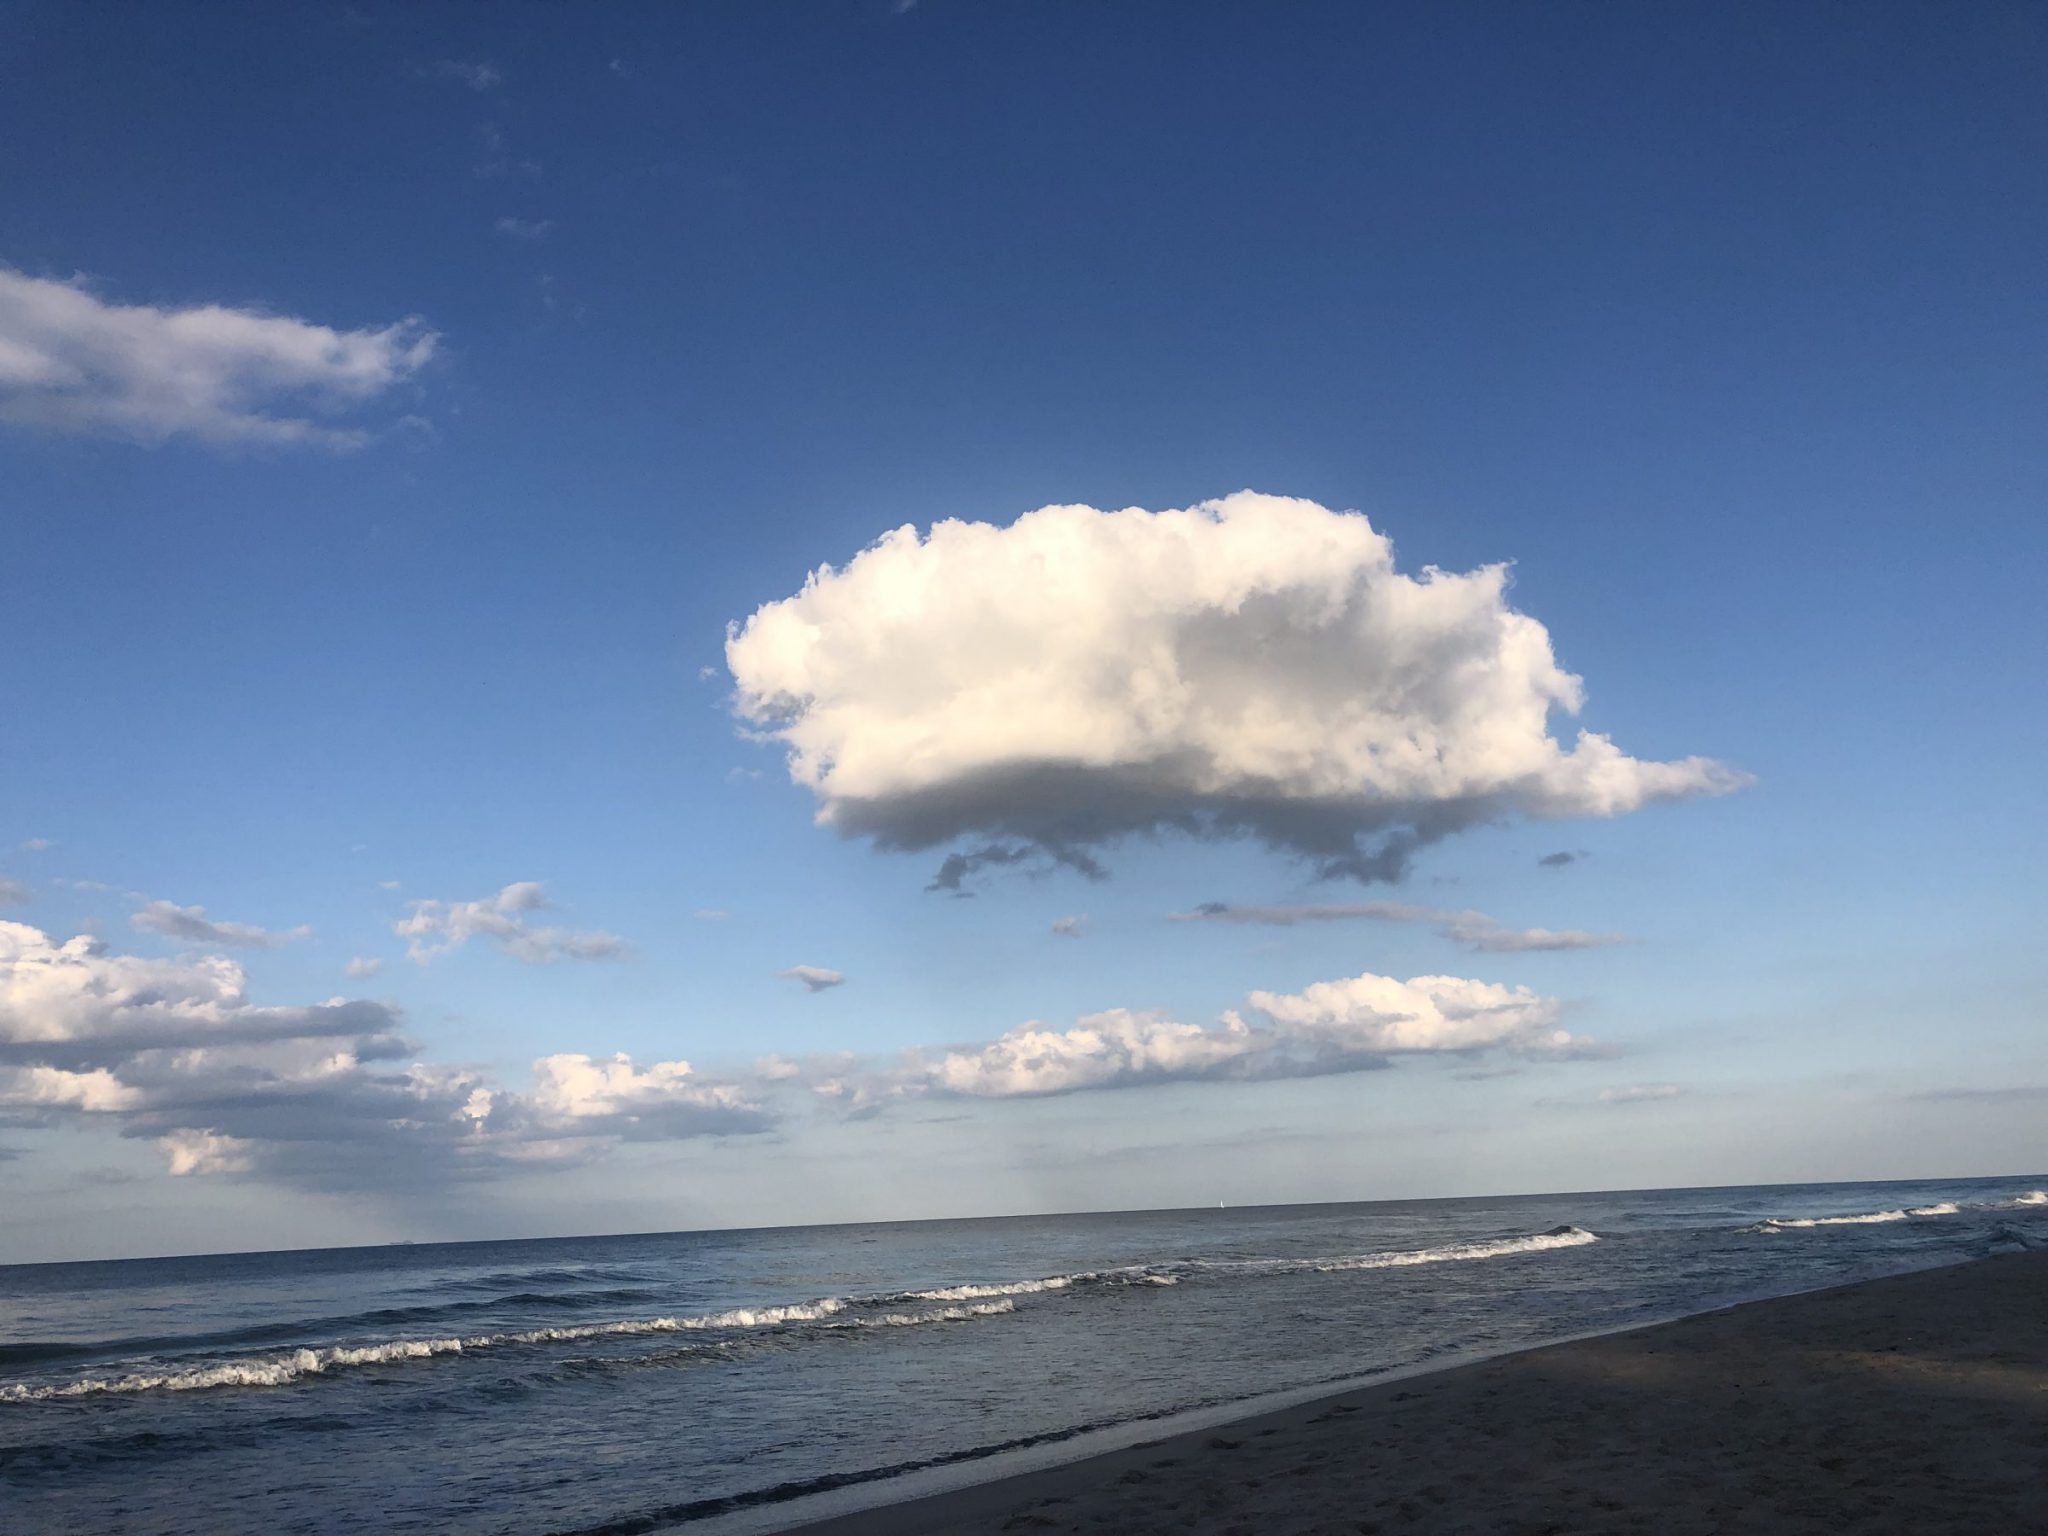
(728, 1382)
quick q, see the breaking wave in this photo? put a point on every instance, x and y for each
(1000, 1288)
(287, 1366)
(1451, 1253)
(965, 1302)
(2033, 1197)
(1129, 1274)
(1497, 1248)
(263, 1371)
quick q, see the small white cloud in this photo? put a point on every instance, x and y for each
(387, 885)
(815, 978)
(92, 886)
(710, 915)
(206, 1152)
(37, 845)
(75, 363)
(1640, 1093)
(1069, 927)
(12, 892)
(191, 924)
(523, 229)
(435, 927)
(363, 967)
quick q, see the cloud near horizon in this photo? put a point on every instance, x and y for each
(436, 927)
(1356, 1024)
(1253, 666)
(1468, 929)
(73, 362)
(1641, 1093)
(332, 1095)
(329, 1095)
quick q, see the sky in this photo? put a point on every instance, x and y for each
(643, 618)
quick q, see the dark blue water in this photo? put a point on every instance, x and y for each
(710, 1379)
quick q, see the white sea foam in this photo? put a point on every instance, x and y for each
(2031, 1197)
(739, 1317)
(936, 1315)
(1128, 1274)
(999, 1288)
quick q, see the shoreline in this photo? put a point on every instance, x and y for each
(1216, 1469)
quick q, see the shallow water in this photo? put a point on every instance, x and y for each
(593, 1384)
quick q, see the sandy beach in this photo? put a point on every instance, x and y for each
(1912, 1403)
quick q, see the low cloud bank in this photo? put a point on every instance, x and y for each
(328, 1095)
(1357, 1024)
(334, 1094)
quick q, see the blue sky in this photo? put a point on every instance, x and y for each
(1721, 324)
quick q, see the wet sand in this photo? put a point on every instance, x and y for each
(1915, 1403)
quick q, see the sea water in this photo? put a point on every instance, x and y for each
(719, 1381)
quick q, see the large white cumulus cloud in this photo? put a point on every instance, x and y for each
(1250, 665)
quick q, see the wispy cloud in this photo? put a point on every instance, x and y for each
(436, 927)
(1070, 927)
(363, 967)
(1641, 1093)
(494, 160)
(12, 893)
(523, 229)
(2015, 1093)
(1562, 857)
(477, 74)
(815, 978)
(72, 362)
(1468, 929)
(191, 924)
(37, 845)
